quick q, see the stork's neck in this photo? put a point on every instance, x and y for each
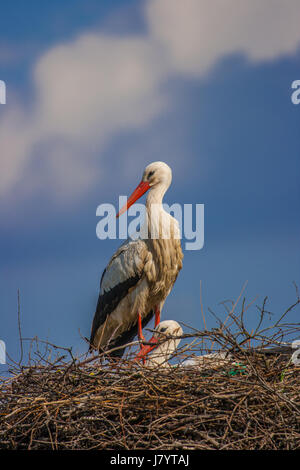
(160, 224)
(156, 194)
(161, 354)
(155, 211)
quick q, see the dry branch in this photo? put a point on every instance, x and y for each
(250, 403)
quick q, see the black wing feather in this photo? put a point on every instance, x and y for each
(108, 302)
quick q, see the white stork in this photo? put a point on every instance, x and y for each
(141, 274)
(167, 336)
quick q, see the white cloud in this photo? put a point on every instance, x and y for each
(195, 34)
(17, 138)
(98, 85)
(86, 92)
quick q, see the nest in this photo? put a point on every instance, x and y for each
(250, 402)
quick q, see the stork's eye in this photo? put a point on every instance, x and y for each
(163, 329)
(151, 173)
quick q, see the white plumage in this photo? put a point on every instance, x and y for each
(168, 333)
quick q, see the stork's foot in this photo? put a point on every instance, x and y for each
(146, 349)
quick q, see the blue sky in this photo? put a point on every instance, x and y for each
(97, 90)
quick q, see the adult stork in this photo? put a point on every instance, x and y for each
(141, 274)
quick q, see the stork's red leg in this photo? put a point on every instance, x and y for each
(145, 349)
(140, 330)
(157, 316)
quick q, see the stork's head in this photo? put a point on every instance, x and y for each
(167, 328)
(166, 334)
(156, 174)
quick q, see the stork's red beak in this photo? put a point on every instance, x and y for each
(137, 193)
